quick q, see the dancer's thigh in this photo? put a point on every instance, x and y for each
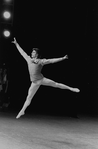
(34, 87)
(48, 82)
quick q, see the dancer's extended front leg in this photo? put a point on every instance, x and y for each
(32, 90)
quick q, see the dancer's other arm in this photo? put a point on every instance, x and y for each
(54, 60)
(20, 49)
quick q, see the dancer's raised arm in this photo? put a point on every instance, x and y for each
(20, 50)
(54, 60)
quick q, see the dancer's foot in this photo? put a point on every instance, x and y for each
(20, 114)
(75, 90)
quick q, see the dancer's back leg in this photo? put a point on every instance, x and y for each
(32, 90)
(52, 83)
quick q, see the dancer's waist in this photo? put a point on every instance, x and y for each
(36, 77)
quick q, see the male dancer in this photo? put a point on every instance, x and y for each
(35, 66)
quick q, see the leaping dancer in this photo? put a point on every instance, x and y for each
(35, 65)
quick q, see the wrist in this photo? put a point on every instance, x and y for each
(15, 43)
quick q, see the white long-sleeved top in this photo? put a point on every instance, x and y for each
(35, 68)
(35, 65)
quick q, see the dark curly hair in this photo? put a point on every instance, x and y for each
(37, 50)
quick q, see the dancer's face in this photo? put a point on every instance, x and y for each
(34, 54)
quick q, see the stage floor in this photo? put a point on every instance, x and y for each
(35, 132)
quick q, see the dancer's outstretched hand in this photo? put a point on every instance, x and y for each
(65, 57)
(14, 41)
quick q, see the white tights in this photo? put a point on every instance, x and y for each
(47, 82)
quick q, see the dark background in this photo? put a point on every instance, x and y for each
(56, 29)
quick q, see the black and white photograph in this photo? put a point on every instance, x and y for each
(48, 74)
